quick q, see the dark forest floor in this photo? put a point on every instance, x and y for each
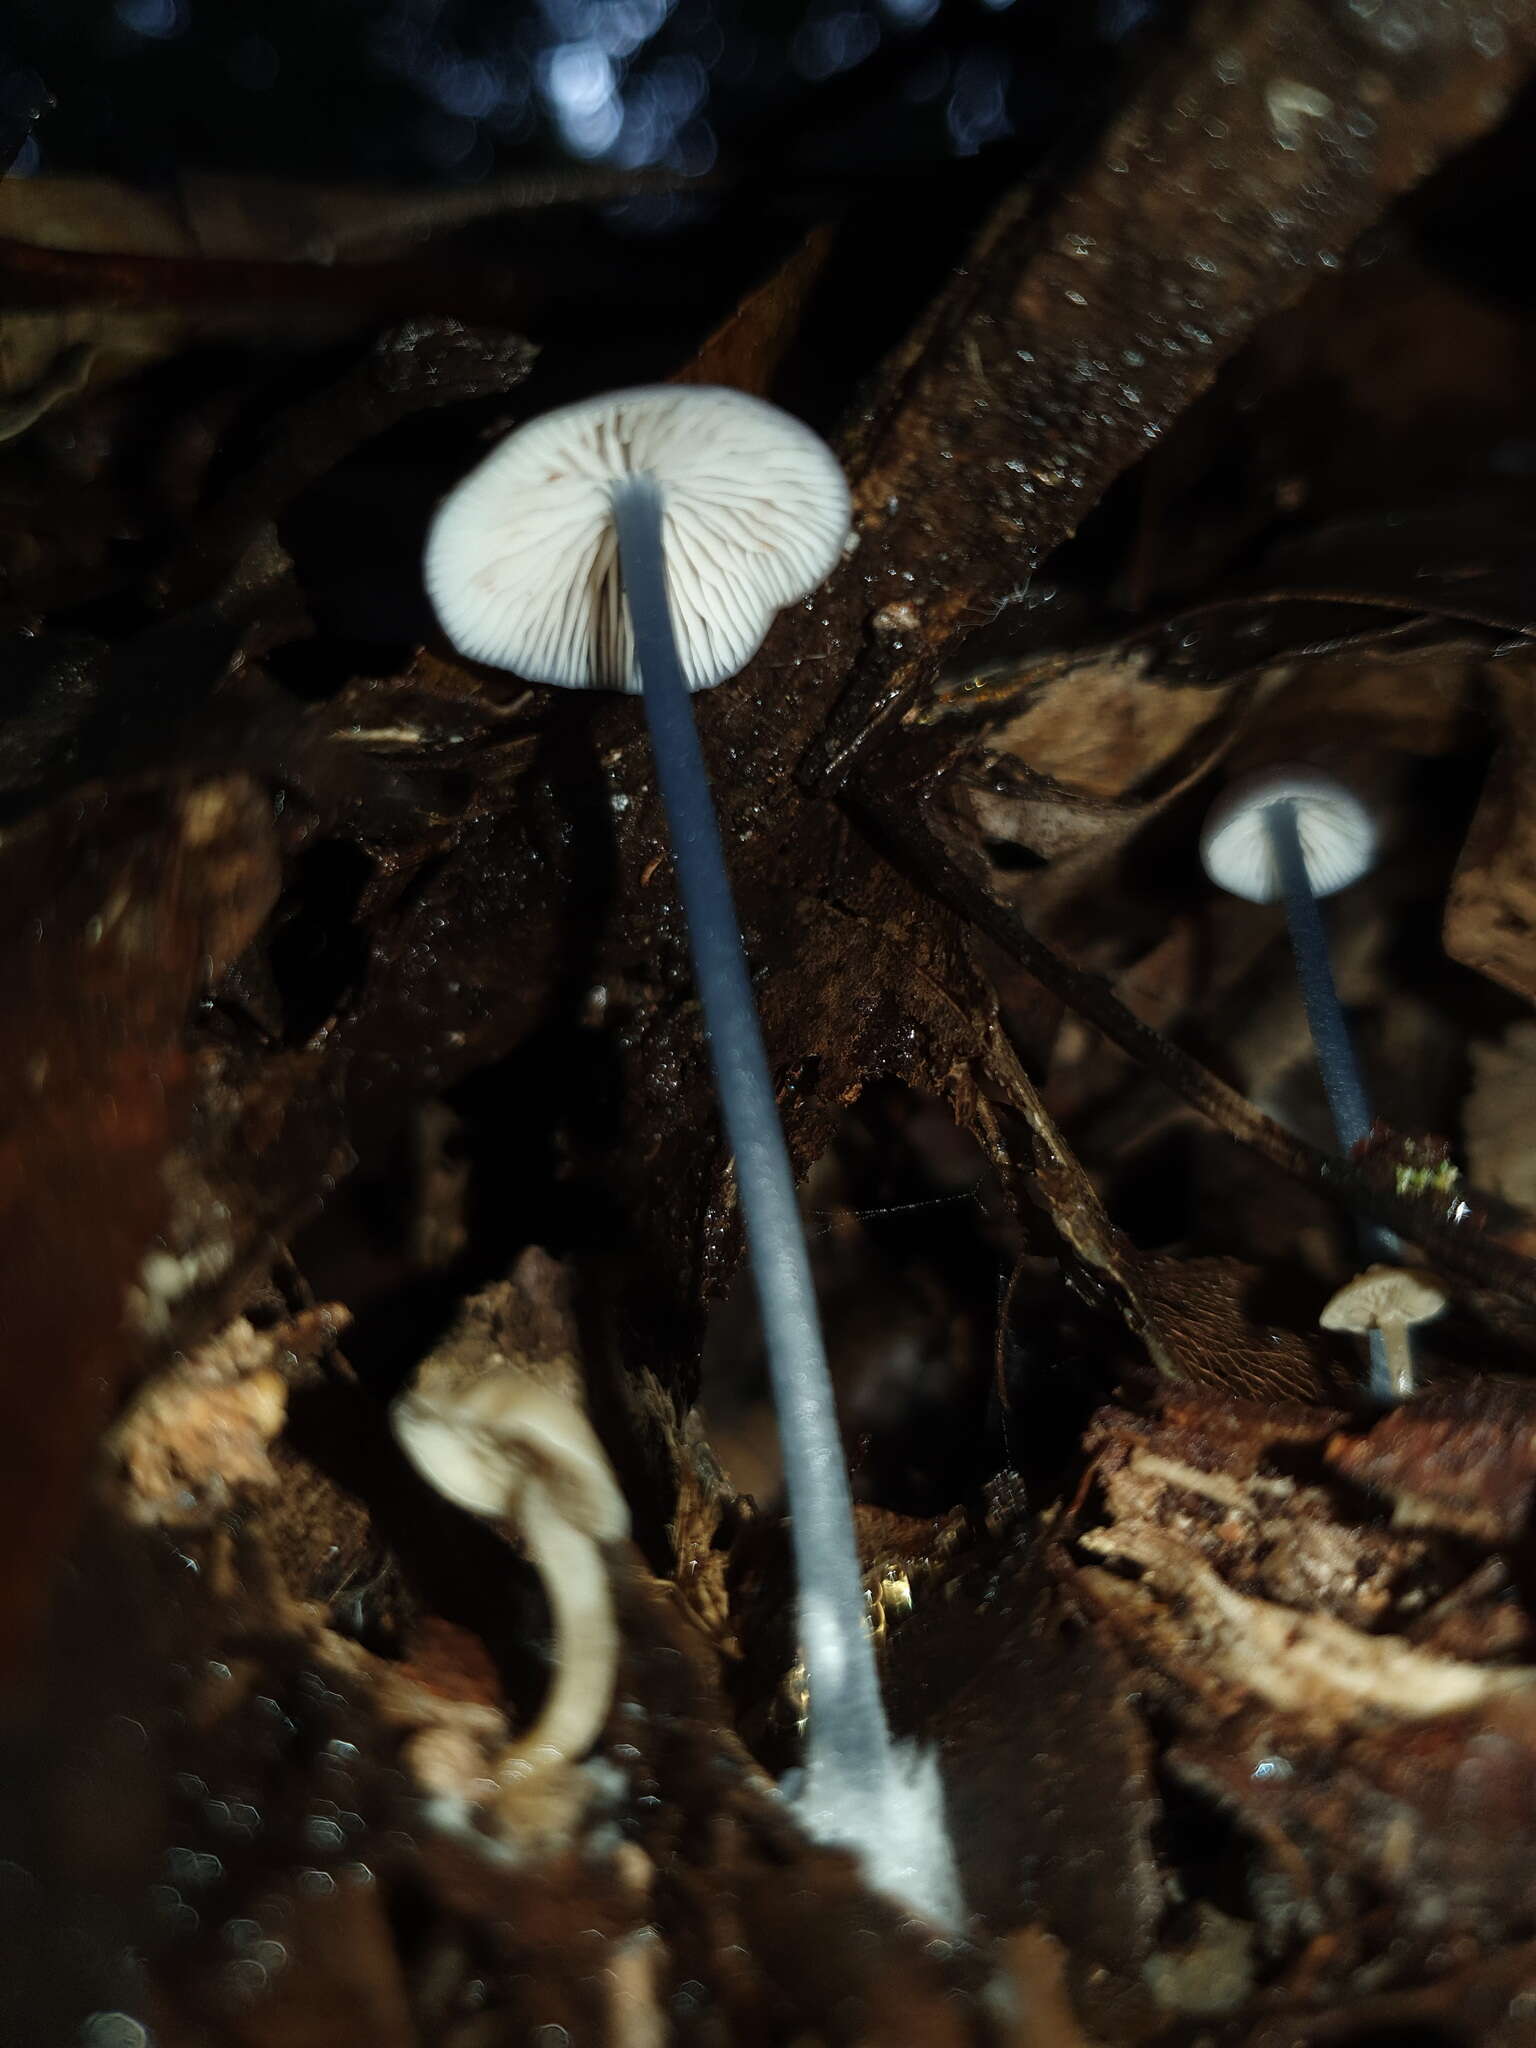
(349, 1033)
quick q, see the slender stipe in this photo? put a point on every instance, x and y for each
(1331, 1041)
(848, 1738)
(736, 510)
(1338, 1063)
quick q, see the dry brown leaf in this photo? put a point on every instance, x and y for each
(1461, 1459)
(1499, 1117)
(1490, 918)
(117, 910)
(746, 350)
(225, 220)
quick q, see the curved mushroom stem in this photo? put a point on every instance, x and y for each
(585, 1647)
(1392, 1376)
(848, 1742)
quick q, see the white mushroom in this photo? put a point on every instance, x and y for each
(1336, 831)
(652, 535)
(505, 1447)
(1294, 833)
(522, 560)
(1391, 1300)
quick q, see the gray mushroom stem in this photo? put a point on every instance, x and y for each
(848, 1741)
(584, 1634)
(1392, 1370)
(1394, 1348)
(1343, 1081)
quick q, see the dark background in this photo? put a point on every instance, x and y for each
(452, 91)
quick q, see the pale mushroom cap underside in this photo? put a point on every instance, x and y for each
(1336, 831)
(484, 1443)
(522, 559)
(1383, 1295)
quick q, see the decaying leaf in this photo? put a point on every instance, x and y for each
(1501, 1117)
(1333, 1740)
(118, 908)
(1491, 914)
(354, 1049)
(202, 1430)
(746, 351)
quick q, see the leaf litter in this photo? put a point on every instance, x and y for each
(351, 1020)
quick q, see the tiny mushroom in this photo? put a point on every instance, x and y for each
(646, 540)
(1238, 846)
(1389, 1300)
(1294, 833)
(515, 1451)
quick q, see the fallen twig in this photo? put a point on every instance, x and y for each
(1461, 1248)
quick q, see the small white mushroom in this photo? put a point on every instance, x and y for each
(1392, 1300)
(505, 1447)
(646, 540)
(1336, 831)
(1294, 833)
(522, 561)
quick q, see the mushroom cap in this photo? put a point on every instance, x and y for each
(481, 1443)
(1382, 1296)
(1337, 833)
(522, 560)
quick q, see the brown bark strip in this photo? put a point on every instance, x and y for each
(1011, 415)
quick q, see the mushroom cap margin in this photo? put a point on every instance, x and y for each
(521, 559)
(1337, 833)
(480, 1445)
